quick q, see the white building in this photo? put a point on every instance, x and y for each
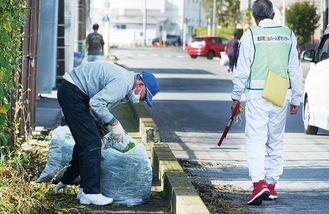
(137, 22)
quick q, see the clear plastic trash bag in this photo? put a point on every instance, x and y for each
(126, 173)
(59, 155)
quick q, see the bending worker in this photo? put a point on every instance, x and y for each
(92, 90)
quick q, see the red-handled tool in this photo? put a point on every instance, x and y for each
(235, 112)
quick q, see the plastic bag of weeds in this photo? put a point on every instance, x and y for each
(59, 155)
(126, 174)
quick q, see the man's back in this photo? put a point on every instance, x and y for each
(95, 42)
(232, 47)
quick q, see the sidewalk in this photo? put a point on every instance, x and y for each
(48, 111)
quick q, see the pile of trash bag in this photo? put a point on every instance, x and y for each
(125, 176)
(126, 172)
(59, 155)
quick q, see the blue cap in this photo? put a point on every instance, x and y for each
(151, 85)
(234, 34)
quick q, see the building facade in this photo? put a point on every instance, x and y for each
(137, 22)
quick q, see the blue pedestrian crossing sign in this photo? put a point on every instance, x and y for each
(106, 18)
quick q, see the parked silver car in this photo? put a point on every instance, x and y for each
(316, 89)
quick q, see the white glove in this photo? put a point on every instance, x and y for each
(117, 130)
(59, 186)
(123, 142)
(238, 120)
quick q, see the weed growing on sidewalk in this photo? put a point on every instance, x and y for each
(217, 198)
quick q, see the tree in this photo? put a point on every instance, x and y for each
(228, 12)
(302, 19)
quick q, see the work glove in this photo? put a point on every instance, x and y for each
(117, 131)
(123, 142)
(59, 186)
(238, 117)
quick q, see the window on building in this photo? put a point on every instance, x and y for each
(120, 26)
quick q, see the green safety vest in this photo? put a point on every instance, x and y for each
(279, 47)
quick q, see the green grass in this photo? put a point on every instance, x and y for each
(18, 191)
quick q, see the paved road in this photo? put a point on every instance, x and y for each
(191, 112)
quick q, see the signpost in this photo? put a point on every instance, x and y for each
(106, 19)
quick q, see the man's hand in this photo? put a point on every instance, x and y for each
(293, 109)
(234, 104)
(117, 130)
(59, 186)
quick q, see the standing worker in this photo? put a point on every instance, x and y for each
(90, 91)
(95, 45)
(266, 43)
(231, 50)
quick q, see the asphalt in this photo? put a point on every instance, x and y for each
(182, 196)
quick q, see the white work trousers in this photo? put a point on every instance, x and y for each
(264, 132)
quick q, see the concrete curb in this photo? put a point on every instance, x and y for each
(147, 128)
(174, 182)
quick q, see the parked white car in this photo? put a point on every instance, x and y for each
(316, 89)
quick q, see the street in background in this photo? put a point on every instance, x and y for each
(191, 112)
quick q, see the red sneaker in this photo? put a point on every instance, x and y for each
(259, 193)
(273, 193)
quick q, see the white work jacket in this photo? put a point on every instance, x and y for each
(245, 58)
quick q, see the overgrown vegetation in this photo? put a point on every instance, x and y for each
(12, 15)
(21, 166)
(224, 199)
(17, 191)
(17, 166)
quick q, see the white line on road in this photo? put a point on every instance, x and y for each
(193, 96)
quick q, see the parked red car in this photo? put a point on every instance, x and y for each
(209, 46)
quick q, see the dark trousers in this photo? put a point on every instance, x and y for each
(86, 155)
(231, 62)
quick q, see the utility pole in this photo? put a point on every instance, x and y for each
(214, 19)
(144, 22)
(106, 35)
(184, 20)
(81, 11)
(184, 32)
(325, 15)
(283, 12)
(200, 13)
